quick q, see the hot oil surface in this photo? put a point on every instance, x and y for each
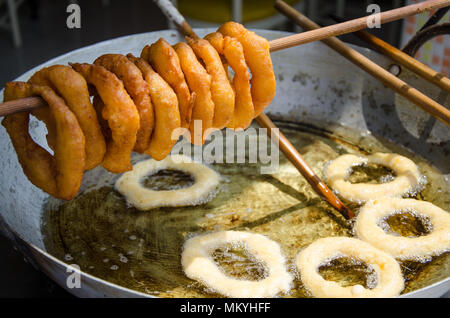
(167, 179)
(236, 262)
(349, 272)
(407, 224)
(141, 250)
(371, 173)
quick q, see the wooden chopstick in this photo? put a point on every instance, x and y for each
(402, 88)
(353, 25)
(302, 166)
(404, 59)
(286, 147)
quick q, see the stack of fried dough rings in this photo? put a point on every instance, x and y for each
(138, 103)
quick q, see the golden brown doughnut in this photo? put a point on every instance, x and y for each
(119, 111)
(167, 114)
(138, 90)
(221, 90)
(59, 175)
(163, 58)
(234, 55)
(72, 87)
(199, 82)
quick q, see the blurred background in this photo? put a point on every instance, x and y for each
(34, 31)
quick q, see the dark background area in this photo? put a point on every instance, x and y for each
(45, 36)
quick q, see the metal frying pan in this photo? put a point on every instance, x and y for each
(316, 87)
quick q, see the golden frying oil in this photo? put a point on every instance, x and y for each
(349, 272)
(238, 263)
(141, 250)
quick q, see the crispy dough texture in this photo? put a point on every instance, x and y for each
(232, 50)
(72, 87)
(257, 56)
(120, 112)
(167, 114)
(163, 58)
(138, 90)
(59, 175)
(221, 90)
(199, 81)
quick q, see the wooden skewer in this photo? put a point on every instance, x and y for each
(404, 59)
(354, 25)
(286, 147)
(402, 88)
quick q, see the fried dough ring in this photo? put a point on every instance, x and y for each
(138, 90)
(131, 187)
(221, 91)
(232, 50)
(413, 248)
(407, 177)
(257, 56)
(389, 283)
(199, 82)
(73, 88)
(163, 58)
(119, 111)
(199, 265)
(59, 175)
(167, 114)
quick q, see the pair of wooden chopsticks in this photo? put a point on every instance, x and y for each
(402, 58)
(318, 34)
(390, 80)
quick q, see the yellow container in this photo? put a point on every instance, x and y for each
(220, 11)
